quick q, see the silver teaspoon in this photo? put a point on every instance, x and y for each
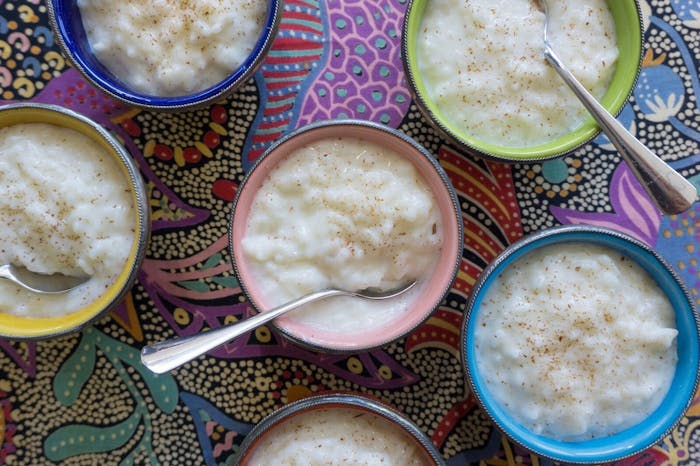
(671, 192)
(38, 282)
(170, 354)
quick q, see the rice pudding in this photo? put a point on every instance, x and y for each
(576, 341)
(337, 437)
(483, 65)
(66, 208)
(342, 213)
(176, 48)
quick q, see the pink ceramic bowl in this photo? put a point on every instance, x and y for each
(431, 288)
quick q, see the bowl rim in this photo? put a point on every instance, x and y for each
(109, 84)
(41, 328)
(506, 154)
(338, 400)
(632, 440)
(388, 132)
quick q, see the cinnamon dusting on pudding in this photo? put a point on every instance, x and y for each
(170, 48)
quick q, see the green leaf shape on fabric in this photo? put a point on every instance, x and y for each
(194, 285)
(75, 371)
(213, 261)
(227, 282)
(163, 388)
(78, 439)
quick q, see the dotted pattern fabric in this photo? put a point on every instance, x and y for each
(85, 398)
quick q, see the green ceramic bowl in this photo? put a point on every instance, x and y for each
(628, 22)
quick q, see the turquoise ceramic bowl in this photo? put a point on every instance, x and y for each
(636, 438)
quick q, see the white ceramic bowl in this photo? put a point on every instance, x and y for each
(385, 419)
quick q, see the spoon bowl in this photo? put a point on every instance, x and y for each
(671, 192)
(170, 354)
(39, 282)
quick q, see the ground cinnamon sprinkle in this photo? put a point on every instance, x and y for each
(483, 66)
(578, 340)
(170, 48)
(336, 437)
(50, 226)
(343, 213)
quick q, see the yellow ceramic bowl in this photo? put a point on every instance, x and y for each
(14, 327)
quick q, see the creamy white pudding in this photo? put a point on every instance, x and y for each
(483, 65)
(328, 437)
(576, 341)
(342, 213)
(175, 48)
(66, 208)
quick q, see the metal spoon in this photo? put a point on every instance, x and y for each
(38, 282)
(170, 354)
(671, 192)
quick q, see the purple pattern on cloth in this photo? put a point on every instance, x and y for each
(72, 91)
(364, 76)
(679, 245)
(26, 362)
(633, 213)
(217, 449)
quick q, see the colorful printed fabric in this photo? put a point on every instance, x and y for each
(86, 399)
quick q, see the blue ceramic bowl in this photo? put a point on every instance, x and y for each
(624, 443)
(67, 25)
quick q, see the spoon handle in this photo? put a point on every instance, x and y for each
(672, 193)
(170, 354)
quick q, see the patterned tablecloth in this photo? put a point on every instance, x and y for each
(86, 399)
